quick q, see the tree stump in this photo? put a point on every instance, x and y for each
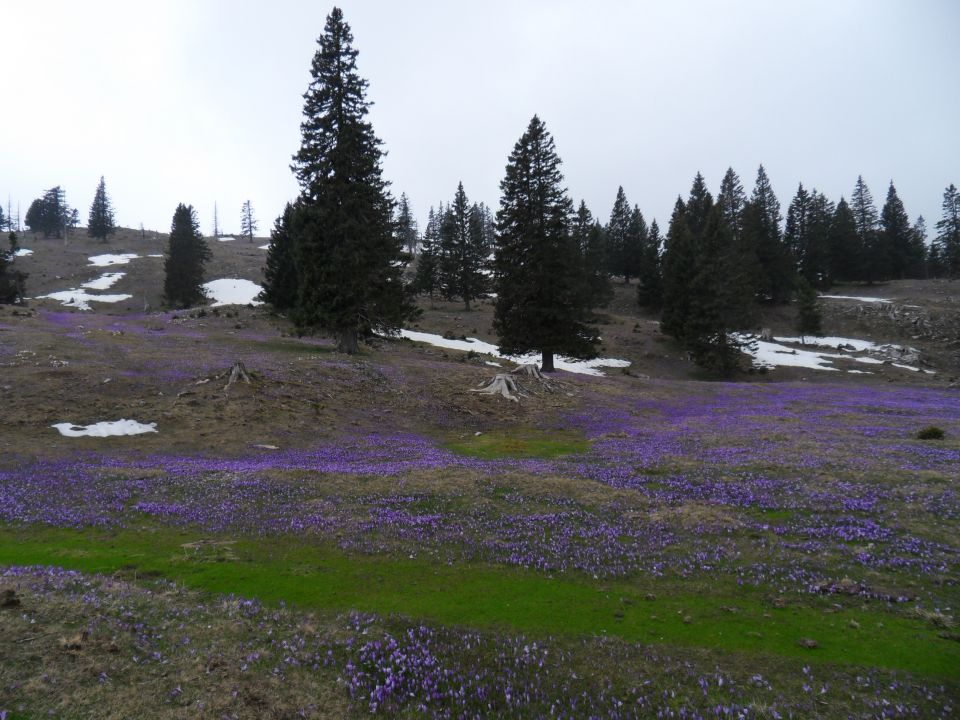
(509, 386)
(504, 385)
(238, 372)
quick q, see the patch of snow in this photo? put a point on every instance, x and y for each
(104, 282)
(81, 299)
(232, 291)
(226, 238)
(580, 367)
(860, 372)
(106, 428)
(831, 342)
(108, 259)
(23, 252)
(491, 363)
(263, 247)
(156, 255)
(773, 354)
(859, 299)
(770, 355)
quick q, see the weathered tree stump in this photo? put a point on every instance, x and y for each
(238, 372)
(504, 385)
(509, 385)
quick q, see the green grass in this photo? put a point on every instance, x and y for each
(520, 444)
(712, 613)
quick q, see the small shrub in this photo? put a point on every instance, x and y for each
(930, 433)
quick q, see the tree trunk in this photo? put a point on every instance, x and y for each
(466, 304)
(546, 364)
(348, 342)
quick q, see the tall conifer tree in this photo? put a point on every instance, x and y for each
(617, 233)
(719, 300)
(845, 249)
(187, 253)
(873, 256)
(897, 239)
(761, 227)
(280, 272)
(698, 206)
(100, 223)
(427, 278)
(407, 232)
(464, 252)
(679, 258)
(650, 277)
(732, 199)
(543, 298)
(349, 263)
(814, 263)
(588, 235)
(248, 223)
(948, 233)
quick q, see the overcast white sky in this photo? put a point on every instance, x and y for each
(200, 101)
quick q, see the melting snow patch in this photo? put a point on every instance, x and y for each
(772, 354)
(232, 291)
(80, 299)
(156, 255)
(107, 260)
(23, 252)
(105, 429)
(226, 238)
(263, 247)
(104, 281)
(859, 299)
(580, 367)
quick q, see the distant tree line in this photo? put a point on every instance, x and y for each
(338, 252)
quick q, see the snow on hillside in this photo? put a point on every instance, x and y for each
(580, 367)
(232, 291)
(110, 259)
(105, 428)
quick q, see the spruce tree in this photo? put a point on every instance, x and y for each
(897, 239)
(464, 265)
(187, 253)
(650, 278)
(280, 272)
(407, 233)
(4, 220)
(589, 237)
(350, 265)
(427, 278)
(732, 199)
(100, 223)
(543, 298)
(795, 232)
(845, 249)
(918, 248)
(698, 206)
(617, 233)
(815, 263)
(761, 228)
(873, 255)
(719, 300)
(679, 258)
(12, 281)
(248, 223)
(637, 231)
(50, 214)
(809, 316)
(948, 233)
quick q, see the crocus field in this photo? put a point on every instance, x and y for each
(636, 548)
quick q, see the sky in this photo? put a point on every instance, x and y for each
(200, 101)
